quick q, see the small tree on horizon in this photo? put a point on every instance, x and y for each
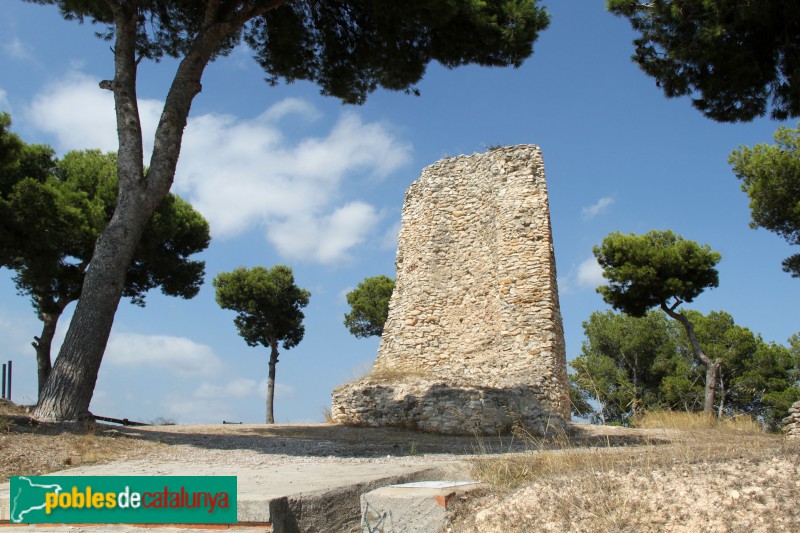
(268, 306)
(660, 269)
(369, 306)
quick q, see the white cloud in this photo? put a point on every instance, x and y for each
(104, 403)
(600, 207)
(237, 388)
(213, 403)
(341, 297)
(389, 241)
(16, 49)
(590, 274)
(290, 106)
(5, 105)
(282, 391)
(242, 174)
(240, 388)
(587, 275)
(191, 410)
(180, 355)
(325, 239)
(81, 115)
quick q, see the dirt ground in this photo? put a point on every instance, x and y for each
(589, 479)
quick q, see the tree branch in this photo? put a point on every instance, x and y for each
(255, 10)
(186, 85)
(689, 327)
(129, 129)
(113, 5)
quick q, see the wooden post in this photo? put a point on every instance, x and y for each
(9, 381)
(4, 381)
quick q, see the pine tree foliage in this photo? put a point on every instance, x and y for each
(369, 306)
(268, 307)
(737, 59)
(770, 176)
(52, 212)
(629, 364)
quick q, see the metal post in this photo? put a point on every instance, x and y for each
(4, 381)
(9, 381)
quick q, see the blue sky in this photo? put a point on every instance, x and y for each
(287, 176)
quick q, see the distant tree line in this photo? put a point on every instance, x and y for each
(641, 360)
(628, 365)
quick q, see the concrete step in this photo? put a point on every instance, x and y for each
(420, 507)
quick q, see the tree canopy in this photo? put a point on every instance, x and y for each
(631, 364)
(657, 269)
(369, 306)
(348, 48)
(268, 308)
(622, 364)
(650, 270)
(737, 60)
(770, 176)
(52, 212)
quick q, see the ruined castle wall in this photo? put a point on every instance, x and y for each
(475, 305)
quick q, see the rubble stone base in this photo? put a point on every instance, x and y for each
(435, 406)
(792, 422)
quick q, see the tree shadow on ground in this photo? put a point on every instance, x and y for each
(323, 440)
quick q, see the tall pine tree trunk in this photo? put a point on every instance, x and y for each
(44, 342)
(712, 367)
(69, 389)
(273, 361)
(42, 345)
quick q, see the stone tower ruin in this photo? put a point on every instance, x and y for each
(474, 340)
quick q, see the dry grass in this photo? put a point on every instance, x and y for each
(391, 375)
(5, 424)
(686, 437)
(693, 421)
(31, 448)
(692, 475)
(327, 416)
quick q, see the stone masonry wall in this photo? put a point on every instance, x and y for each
(475, 308)
(792, 422)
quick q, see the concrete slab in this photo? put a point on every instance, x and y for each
(411, 507)
(290, 496)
